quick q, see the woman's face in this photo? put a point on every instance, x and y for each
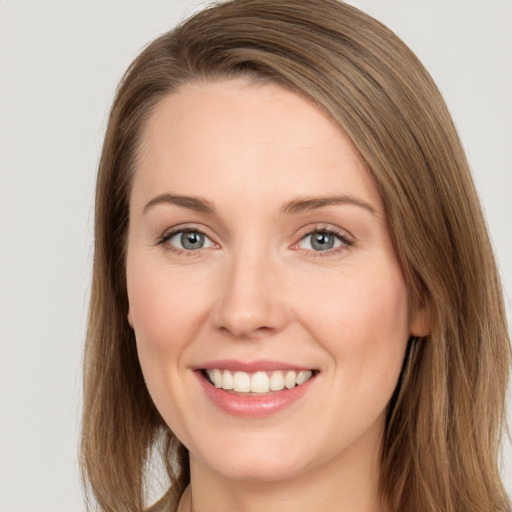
(259, 257)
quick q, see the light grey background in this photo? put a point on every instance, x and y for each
(60, 62)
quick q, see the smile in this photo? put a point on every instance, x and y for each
(259, 382)
(254, 389)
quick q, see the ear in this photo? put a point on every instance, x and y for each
(420, 323)
(130, 319)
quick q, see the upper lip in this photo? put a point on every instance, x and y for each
(250, 366)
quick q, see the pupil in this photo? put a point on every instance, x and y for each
(192, 240)
(322, 241)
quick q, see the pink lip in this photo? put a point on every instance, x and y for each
(249, 366)
(253, 406)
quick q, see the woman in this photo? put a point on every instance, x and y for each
(295, 301)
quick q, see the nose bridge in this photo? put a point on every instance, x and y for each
(249, 302)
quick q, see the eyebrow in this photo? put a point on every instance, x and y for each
(312, 203)
(192, 203)
(296, 206)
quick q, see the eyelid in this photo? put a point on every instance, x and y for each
(181, 228)
(346, 239)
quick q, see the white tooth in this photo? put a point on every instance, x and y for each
(260, 382)
(217, 378)
(303, 376)
(210, 374)
(227, 380)
(290, 379)
(276, 381)
(241, 382)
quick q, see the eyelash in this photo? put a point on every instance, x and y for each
(182, 229)
(328, 230)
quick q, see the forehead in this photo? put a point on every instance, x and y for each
(229, 136)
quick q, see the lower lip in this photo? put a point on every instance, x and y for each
(253, 406)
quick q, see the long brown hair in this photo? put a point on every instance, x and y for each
(442, 435)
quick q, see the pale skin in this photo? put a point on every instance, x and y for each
(256, 287)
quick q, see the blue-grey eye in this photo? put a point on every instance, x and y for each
(320, 241)
(190, 240)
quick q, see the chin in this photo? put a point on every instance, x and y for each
(266, 464)
(258, 471)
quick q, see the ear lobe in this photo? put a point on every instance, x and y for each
(420, 324)
(130, 319)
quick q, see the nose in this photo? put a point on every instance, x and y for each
(250, 302)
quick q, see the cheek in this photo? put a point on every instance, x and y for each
(361, 321)
(361, 317)
(162, 326)
(166, 314)
(165, 308)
